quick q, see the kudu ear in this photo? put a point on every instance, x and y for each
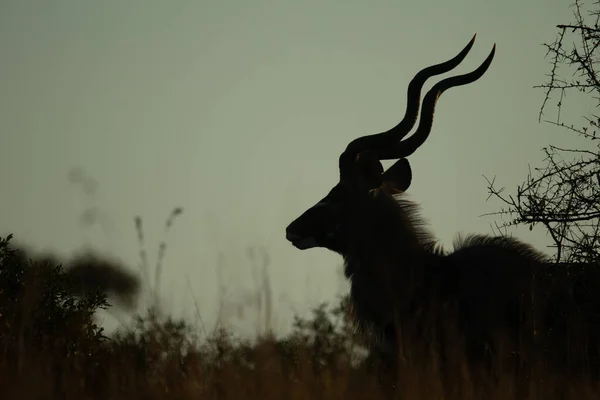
(398, 176)
(370, 170)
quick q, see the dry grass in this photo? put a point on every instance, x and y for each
(52, 349)
(153, 367)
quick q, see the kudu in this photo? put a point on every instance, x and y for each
(398, 274)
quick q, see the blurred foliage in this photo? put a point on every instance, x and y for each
(38, 308)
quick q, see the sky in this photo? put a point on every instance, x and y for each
(237, 112)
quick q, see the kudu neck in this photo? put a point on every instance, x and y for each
(386, 228)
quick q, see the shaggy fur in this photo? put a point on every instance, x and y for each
(402, 279)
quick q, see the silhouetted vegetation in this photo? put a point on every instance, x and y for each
(563, 194)
(52, 347)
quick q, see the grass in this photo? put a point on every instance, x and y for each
(52, 348)
(162, 359)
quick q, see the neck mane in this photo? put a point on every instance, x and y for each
(388, 260)
(387, 229)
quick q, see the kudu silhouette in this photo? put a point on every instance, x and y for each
(401, 280)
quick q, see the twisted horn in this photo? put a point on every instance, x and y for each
(408, 146)
(412, 105)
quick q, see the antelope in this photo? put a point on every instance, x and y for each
(396, 269)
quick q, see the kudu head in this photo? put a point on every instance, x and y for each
(361, 172)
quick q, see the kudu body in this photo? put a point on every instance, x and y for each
(399, 276)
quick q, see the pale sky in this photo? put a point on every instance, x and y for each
(237, 111)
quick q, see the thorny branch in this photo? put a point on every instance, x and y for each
(563, 195)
